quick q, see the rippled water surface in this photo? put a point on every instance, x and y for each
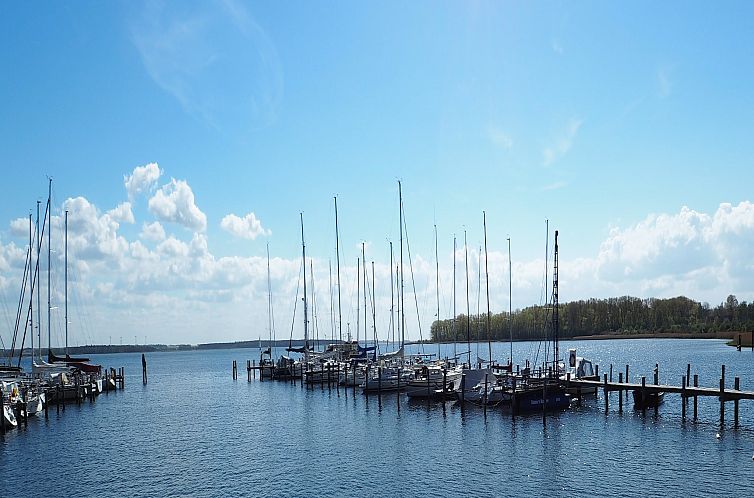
(194, 431)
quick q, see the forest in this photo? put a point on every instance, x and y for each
(615, 316)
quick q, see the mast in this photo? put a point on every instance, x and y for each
(510, 299)
(306, 325)
(31, 295)
(49, 252)
(364, 259)
(455, 353)
(35, 283)
(468, 308)
(332, 311)
(66, 283)
(315, 323)
(358, 298)
(555, 317)
(269, 299)
(392, 297)
(397, 305)
(400, 219)
(437, 287)
(374, 313)
(487, 284)
(337, 259)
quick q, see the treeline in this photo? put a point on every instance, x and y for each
(622, 315)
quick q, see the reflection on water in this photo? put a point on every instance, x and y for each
(194, 431)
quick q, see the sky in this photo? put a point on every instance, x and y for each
(184, 138)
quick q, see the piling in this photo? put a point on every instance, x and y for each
(248, 370)
(485, 392)
(611, 372)
(627, 380)
(513, 398)
(643, 395)
(688, 374)
(444, 382)
(738, 345)
(329, 385)
(722, 396)
(657, 374)
(463, 389)
(606, 395)
(683, 398)
(696, 384)
(620, 393)
(597, 371)
(736, 386)
(544, 401)
(143, 369)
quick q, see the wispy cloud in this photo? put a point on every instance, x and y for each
(562, 143)
(499, 137)
(214, 59)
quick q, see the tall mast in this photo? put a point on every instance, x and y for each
(510, 299)
(487, 284)
(306, 324)
(392, 296)
(332, 311)
(35, 283)
(374, 313)
(468, 308)
(555, 317)
(269, 298)
(455, 353)
(31, 287)
(315, 323)
(66, 283)
(364, 259)
(49, 252)
(358, 298)
(400, 219)
(337, 259)
(437, 287)
(397, 305)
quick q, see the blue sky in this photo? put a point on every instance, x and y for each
(628, 125)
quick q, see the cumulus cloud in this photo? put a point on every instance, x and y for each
(122, 213)
(92, 235)
(248, 227)
(562, 143)
(20, 227)
(142, 179)
(174, 202)
(153, 232)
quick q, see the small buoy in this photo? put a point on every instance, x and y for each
(717, 435)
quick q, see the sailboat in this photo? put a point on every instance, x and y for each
(266, 365)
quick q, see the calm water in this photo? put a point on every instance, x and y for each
(194, 431)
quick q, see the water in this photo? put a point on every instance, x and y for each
(194, 431)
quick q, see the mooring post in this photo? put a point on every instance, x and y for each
(544, 402)
(597, 371)
(444, 382)
(683, 398)
(248, 370)
(605, 391)
(738, 346)
(722, 397)
(736, 386)
(688, 374)
(611, 372)
(643, 395)
(143, 369)
(329, 385)
(696, 384)
(620, 393)
(485, 392)
(627, 380)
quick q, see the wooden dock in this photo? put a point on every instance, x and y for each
(687, 391)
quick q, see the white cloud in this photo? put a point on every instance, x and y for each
(20, 227)
(142, 179)
(562, 143)
(153, 232)
(174, 202)
(122, 213)
(248, 227)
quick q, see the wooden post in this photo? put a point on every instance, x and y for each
(683, 398)
(485, 393)
(606, 394)
(463, 389)
(688, 374)
(643, 395)
(738, 346)
(597, 371)
(444, 383)
(736, 385)
(248, 370)
(329, 385)
(544, 402)
(628, 381)
(722, 401)
(122, 377)
(143, 369)
(696, 384)
(611, 372)
(620, 393)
